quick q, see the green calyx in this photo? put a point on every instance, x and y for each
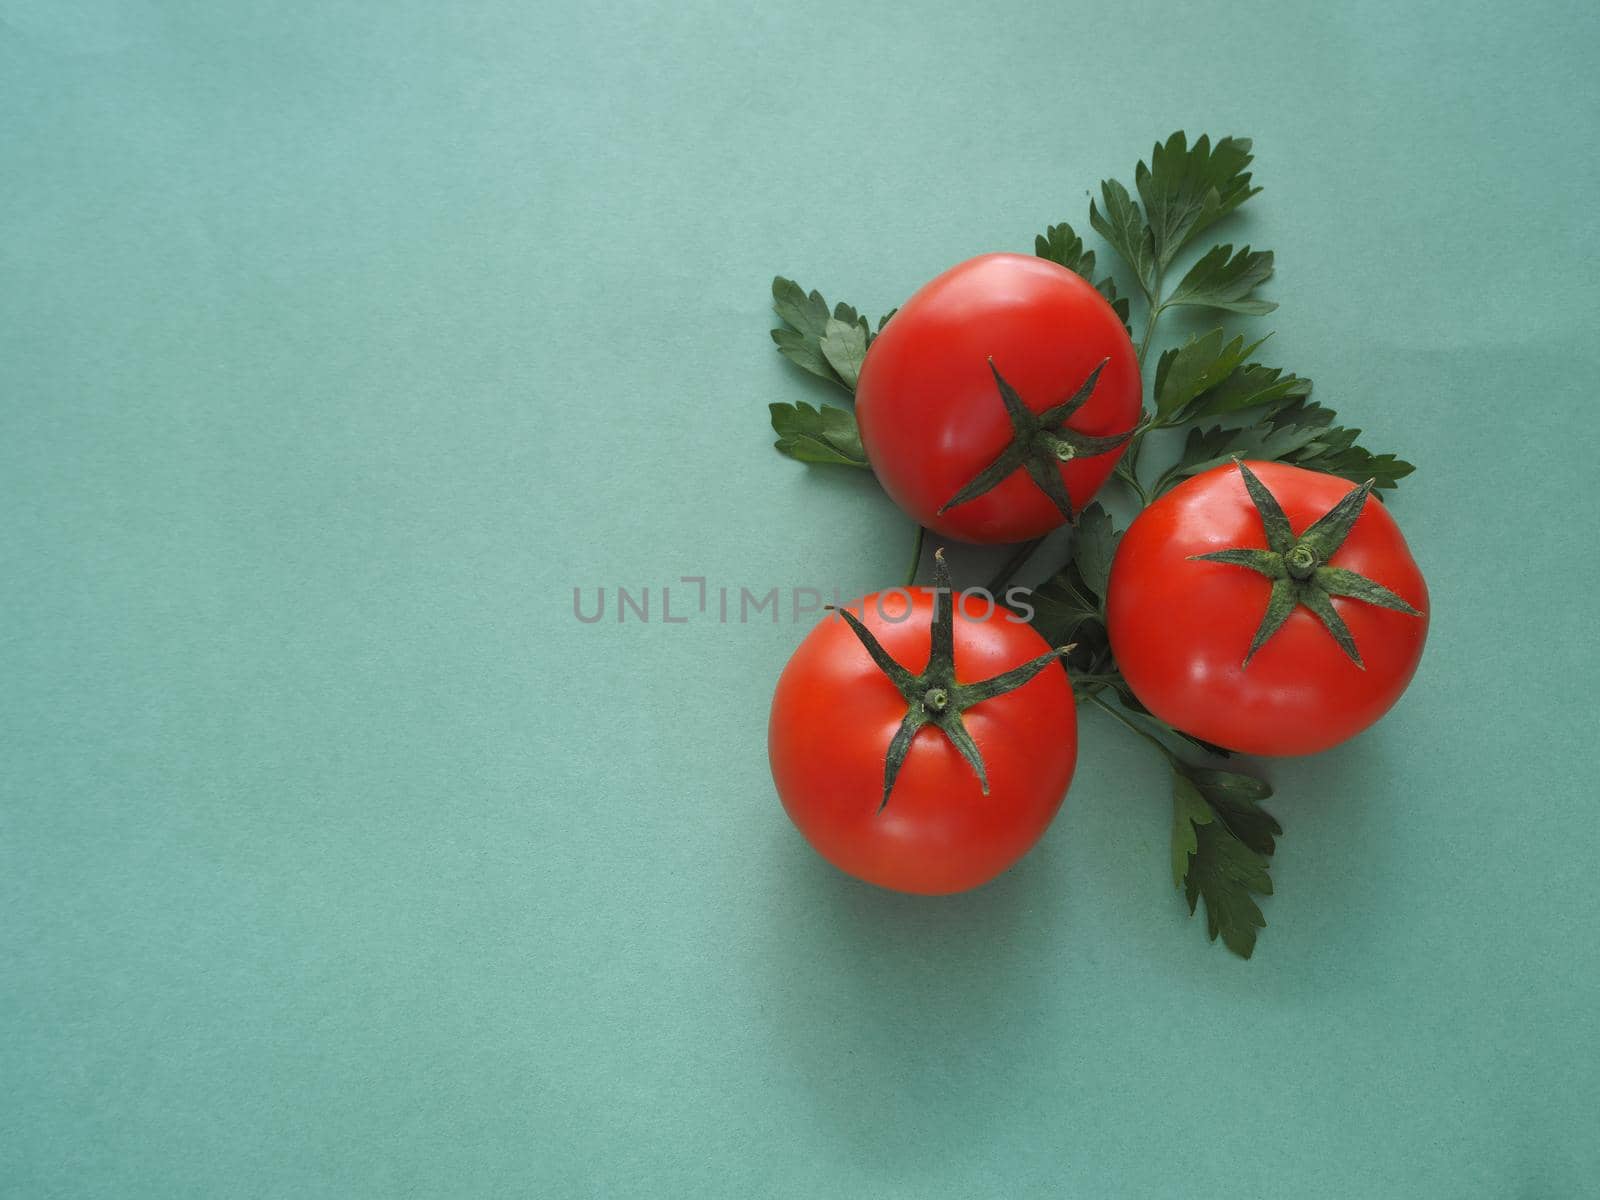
(1040, 443)
(1298, 567)
(936, 697)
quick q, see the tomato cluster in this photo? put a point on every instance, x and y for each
(925, 746)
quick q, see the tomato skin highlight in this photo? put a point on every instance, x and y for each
(931, 417)
(834, 713)
(1181, 629)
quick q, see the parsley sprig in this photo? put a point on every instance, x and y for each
(1221, 838)
(1228, 404)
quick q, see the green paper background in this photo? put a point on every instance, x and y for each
(342, 340)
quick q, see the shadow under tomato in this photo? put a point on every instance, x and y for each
(902, 1016)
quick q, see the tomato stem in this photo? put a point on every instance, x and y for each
(1295, 566)
(936, 696)
(1040, 443)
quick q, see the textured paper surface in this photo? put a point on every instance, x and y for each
(341, 341)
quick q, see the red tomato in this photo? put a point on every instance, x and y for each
(835, 713)
(932, 417)
(1181, 629)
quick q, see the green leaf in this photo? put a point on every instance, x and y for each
(1070, 605)
(1221, 841)
(804, 354)
(808, 314)
(1122, 224)
(1333, 449)
(1094, 547)
(1189, 810)
(1107, 287)
(818, 435)
(1187, 188)
(1358, 464)
(1060, 244)
(846, 313)
(1059, 615)
(1201, 363)
(1237, 798)
(1225, 872)
(1225, 280)
(1207, 448)
(1298, 432)
(1247, 387)
(807, 325)
(844, 345)
(1067, 610)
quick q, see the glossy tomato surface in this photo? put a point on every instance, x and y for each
(1181, 629)
(931, 416)
(834, 714)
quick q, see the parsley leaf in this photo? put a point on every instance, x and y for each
(1207, 448)
(1237, 797)
(1222, 279)
(1200, 364)
(1221, 841)
(1301, 433)
(1248, 387)
(818, 435)
(830, 345)
(1076, 593)
(1334, 449)
(1189, 810)
(1061, 245)
(805, 320)
(1070, 605)
(1062, 607)
(1186, 188)
(1107, 287)
(844, 345)
(1096, 543)
(1123, 226)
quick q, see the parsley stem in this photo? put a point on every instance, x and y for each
(1012, 565)
(1150, 330)
(916, 556)
(1128, 472)
(1094, 698)
(1156, 305)
(1128, 468)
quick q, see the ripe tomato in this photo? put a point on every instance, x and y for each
(835, 718)
(1182, 627)
(932, 415)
